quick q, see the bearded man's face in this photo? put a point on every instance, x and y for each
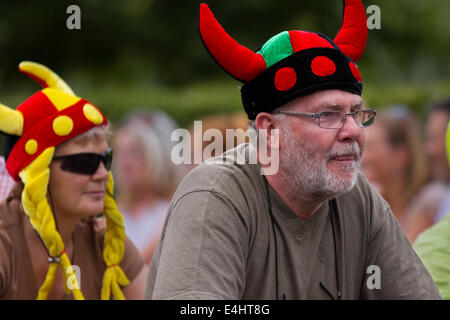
(320, 161)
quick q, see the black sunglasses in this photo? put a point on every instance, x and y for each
(85, 163)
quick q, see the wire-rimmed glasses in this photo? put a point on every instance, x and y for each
(335, 119)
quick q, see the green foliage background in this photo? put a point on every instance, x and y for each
(147, 53)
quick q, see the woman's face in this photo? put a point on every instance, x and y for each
(78, 195)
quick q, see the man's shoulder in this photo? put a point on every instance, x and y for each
(223, 174)
(363, 192)
(364, 204)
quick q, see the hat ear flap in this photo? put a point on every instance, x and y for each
(44, 76)
(11, 121)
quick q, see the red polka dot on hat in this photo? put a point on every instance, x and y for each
(323, 66)
(355, 71)
(285, 79)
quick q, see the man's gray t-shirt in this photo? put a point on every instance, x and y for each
(220, 242)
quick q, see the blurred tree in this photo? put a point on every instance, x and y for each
(148, 52)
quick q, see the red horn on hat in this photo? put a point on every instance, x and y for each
(239, 61)
(352, 36)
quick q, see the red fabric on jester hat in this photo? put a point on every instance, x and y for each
(39, 115)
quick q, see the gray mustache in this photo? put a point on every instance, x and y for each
(345, 149)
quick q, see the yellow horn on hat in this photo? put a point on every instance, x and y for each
(11, 121)
(45, 76)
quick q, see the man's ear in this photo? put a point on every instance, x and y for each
(268, 129)
(264, 120)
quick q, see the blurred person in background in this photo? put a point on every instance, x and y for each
(394, 161)
(435, 129)
(146, 176)
(237, 122)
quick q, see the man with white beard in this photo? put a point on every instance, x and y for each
(325, 165)
(315, 229)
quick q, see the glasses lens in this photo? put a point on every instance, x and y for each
(331, 119)
(367, 117)
(81, 163)
(86, 163)
(107, 159)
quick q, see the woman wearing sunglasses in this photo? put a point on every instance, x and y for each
(61, 235)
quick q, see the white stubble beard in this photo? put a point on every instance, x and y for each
(304, 168)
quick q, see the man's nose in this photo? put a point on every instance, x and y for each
(351, 130)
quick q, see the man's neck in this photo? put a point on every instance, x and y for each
(304, 206)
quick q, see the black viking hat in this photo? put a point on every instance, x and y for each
(292, 63)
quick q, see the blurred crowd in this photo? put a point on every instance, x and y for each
(406, 162)
(404, 158)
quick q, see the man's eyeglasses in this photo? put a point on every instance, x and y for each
(335, 119)
(85, 163)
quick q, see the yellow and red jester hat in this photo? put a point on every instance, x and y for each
(46, 119)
